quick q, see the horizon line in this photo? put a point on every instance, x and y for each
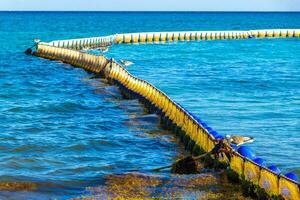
(146, 11)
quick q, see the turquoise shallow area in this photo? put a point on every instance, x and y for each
(65, 131)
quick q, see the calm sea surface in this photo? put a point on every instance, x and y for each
(65, 131)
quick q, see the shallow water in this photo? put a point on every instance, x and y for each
(65, 131)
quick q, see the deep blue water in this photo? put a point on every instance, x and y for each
(63, 130)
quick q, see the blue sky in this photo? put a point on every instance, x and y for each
(153, 5)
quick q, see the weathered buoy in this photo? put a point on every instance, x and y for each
(274, 169)
(292, 176)
(246, 152)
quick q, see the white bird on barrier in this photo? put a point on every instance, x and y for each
(238, 139)
(86, 48)
(126, 62)
(104, 49)
(37, 41)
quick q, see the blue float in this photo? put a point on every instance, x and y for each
(209, 129)
(292, 176)
(214, 133)
(275, 169)
(219, 137)
(246, 152)
(204, 125)
(234, 147)
(259, 161)
(194, 116)
(197, 119)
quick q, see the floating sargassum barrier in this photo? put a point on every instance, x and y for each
(157, 37)
(163, 37)
(84, 43)
(195, 133)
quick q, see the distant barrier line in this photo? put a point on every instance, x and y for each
(163, 37)
(195, 133)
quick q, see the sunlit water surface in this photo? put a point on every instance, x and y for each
(65, 131)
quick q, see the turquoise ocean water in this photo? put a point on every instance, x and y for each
(65, 131)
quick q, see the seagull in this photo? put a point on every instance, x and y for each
(85, 48)
(126, 62)
(104, 49)
(238, 139)
(37, 41)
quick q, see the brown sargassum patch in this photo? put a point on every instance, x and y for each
(18, 186)
(140, 186)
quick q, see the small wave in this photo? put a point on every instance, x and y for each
(14, 109)
(34, 130)
(77, 147)
(63, 107)
(29, 147)
(152, 118)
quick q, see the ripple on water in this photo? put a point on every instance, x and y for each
(62, 107)
(77, 147)
(30, 148)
